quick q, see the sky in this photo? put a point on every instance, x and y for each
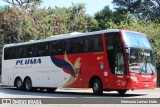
(92, 6)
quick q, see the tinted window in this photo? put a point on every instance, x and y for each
(28, 51)
(6, 53)
(74, 45)
(93, 43)
(57, 47)
(113, 41)
(19, 52)
(9, 53)
(13, 53)
(136, 40)
(41, 49)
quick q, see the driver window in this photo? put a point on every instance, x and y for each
(119, 63)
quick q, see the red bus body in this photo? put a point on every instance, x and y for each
(90, 68)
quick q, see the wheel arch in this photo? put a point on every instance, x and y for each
(92, 80)
(26, 78)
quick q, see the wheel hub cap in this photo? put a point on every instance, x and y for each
(95, 86)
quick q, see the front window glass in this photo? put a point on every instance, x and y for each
(136, 40)
(142, 61)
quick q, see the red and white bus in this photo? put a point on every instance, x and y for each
(108, 60)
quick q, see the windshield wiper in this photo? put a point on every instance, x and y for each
(145, 62)
(141, 67)
(150, 67)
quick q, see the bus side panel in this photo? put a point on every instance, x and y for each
(90, 64)
(7, 72)
(4, 77)
(42, 71)
(50, 74)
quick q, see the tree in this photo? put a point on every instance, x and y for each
(143, 9)
(20, 2)
(18, 25)
(74, 18)
(78, 19)
(107, 15)
(1, 40)
(23, 4)
(127, 5)
(103, 16)
(150, 9)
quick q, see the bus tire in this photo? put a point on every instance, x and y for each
(97, 87)
(122, 92)
(51, 89)
(28, 84)
(19, 84)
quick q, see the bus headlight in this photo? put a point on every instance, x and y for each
(134, 78)
(155, 79)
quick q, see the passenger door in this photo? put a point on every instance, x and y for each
(116, 59)
(120, 77)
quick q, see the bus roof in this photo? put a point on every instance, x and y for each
(62, 36)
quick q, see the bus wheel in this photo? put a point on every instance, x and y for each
(97, 87)
(28, 84)
(19, 84)
(122, 92)
(51, 89)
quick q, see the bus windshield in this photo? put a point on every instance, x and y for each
(140, 56)
(142, 61)
(136, 40)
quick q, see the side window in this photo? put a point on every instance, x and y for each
(28, 51)
(13, 53)
(19, 52)
(57, 47)
(74, 45)
(6, 53)
(113, 41)
(10, 53)
(93, 43)
(41, 49)
(110, 42)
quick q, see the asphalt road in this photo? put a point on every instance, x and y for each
(10, 92)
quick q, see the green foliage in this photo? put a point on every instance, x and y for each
(107, 15)
(104, 16)
(20, 2)
(143, 9)
(127, 5)
(17, 25)
(72, 19)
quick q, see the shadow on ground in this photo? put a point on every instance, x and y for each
(64, 93)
